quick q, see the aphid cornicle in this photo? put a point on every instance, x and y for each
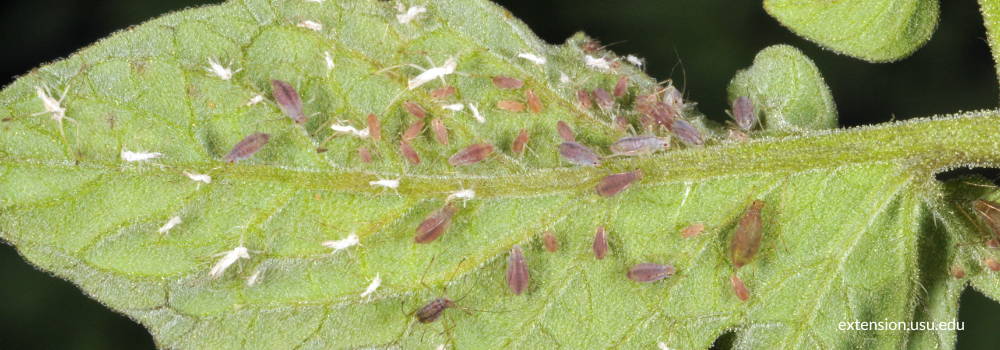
(600, 243)
(442, 93)
(517, 271)
(603, 98)
(510, 106)
(621, 87)
(550, 242)
(247, 147)
(288, 100)
(517, 147)
(415, 109)
(409, 153)
(638, 145)
(616, 183)
(990, 213)
(739, 288)
(432, 311)
(475, 153)
(579, 154)
(650, 272)
(440, 131)
(374, 127)
(413, 131)
(435, 224)
(746, 239)
(502, 82)
(534, 103)
(686, 132)
(743, 113)
(565, 132)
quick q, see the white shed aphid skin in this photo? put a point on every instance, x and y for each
(329, 60)
(255, 100)
(53, 106)
(217, 69)
(372, 287)
(433, 73)
(635, 60)
(564, 79)
(347, 129)
(198, 177)
(407, 15)
(139, 156)
(663, 346)
(539, 60)
(316, 1)
(338, 245)
(393, 184)
(254, 278)
(597, 63)
(464, 195)
(457, 107)
(228, 259)
(174, 221)
(312, 25)
(475, 113)
(441, 347)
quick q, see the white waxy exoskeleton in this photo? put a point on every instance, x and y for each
(564, 79)
(597, 63)
(254, 278)
(217, 69)
(312, 25)
(407, 15)
(662, 346)
(338, 245)
(464, 195)
(174, 221)
(475, 113)
(372, 287)
(433, 73)
(139, 156)
(457, 107)
(329, 60)
(228, 259)
(347, 129)
(635, 60)
(539, 60)
(53, 106)
(442, 347)
(393, 184)
(316, 1)
(198, 177)
(255, 100)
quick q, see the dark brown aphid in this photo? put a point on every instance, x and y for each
(470, 155)
(686, 132)
(990, 212)
(512, 106)
(739, 288)
(503, 82)
(443, 93)
(957, 272)
(638, 145)
(534, 103)
(550, 242)
(604, 99)
(659, 112)
(435, 224)
(433, 310)
(519, 142)
(374, 127)
(517, 271)
(579, 154)
(247, 147)
(321, 150)
(591, 46)
(746, 239)
(440, 131)
(693, 230)
(621, 123)
(583, 97)
(621, 87)
(743, 113)
(600, 243)
(364, 154)
(288, 100)
(415, 109)
(992, 264)
(409, 153)
(565, 132)
(650, 272)
(616, 183)
(413, 131)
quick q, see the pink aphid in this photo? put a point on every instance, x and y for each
(415, 109)
(443, 93)
(510, 106)
(604, 99)
(374, 127)
(600, 245)
(409, 153)
(616, 183)
(686, 132)
(650, 272)
(638, 145)
(583, 97)
(413, 131)
(517, 271)
(519, 142)
(565, 132)
(550, 242)
(621, 87)
(435, 224)
(470, 155)
(502, 82)
(578, 154)
(288, 100)
(247, 147)
(364, 154)
(743, 113)
(739, 288)
(440, 131)
(534, 103)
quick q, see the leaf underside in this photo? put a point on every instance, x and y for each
(849, 217)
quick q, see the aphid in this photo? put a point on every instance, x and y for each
(255, 100)
(475, 113)
(288, 100)
(347, 129)
(600, 243)
(329, 60)
(621, 123)
(686, 132)
(517, 147)
(597, 63)
(534, 103)
(471, 155)
(407, 15)
(990, 212)
(408, 152)
(464, 195)
(621, 87)
(223, 72)
(338, 245)
(579, 154)
(440, 131)
(565, 132)
(634, 60)
(648, 106)
(738, 136)
(373, 286)
(139, 156)
(739, 288)
(511, 106)
(957, 272)
(616, 183)
(502, 82)
(312, 25)
(992, 264)
(228, 259)
(993, 243)
(435, 224)
(442, 93)
(550, 242)
(254, 278)
(393, 184)
(743, 113)
(638, 145)
(673, 99)
(650, 272)
(413, 131)
(433, 73)
(583, 97)
(455, 107)
(432, 311)
(746, 239)
(693, 230)
(364, 154)
(174, 221)
(517, 271)
(590, 46)
(374, 127)
(198, 177)
(415, 109)
(539, 60)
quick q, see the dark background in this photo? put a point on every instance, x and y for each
(704, 40)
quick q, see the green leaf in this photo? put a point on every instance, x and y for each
(991, 17)
(787, 88)
(846, 221)
(872, 30)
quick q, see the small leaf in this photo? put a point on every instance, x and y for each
(872, 30)
(787, 89)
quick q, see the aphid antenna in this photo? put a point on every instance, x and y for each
(979, 185)
(975, 223)
(680, 63)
